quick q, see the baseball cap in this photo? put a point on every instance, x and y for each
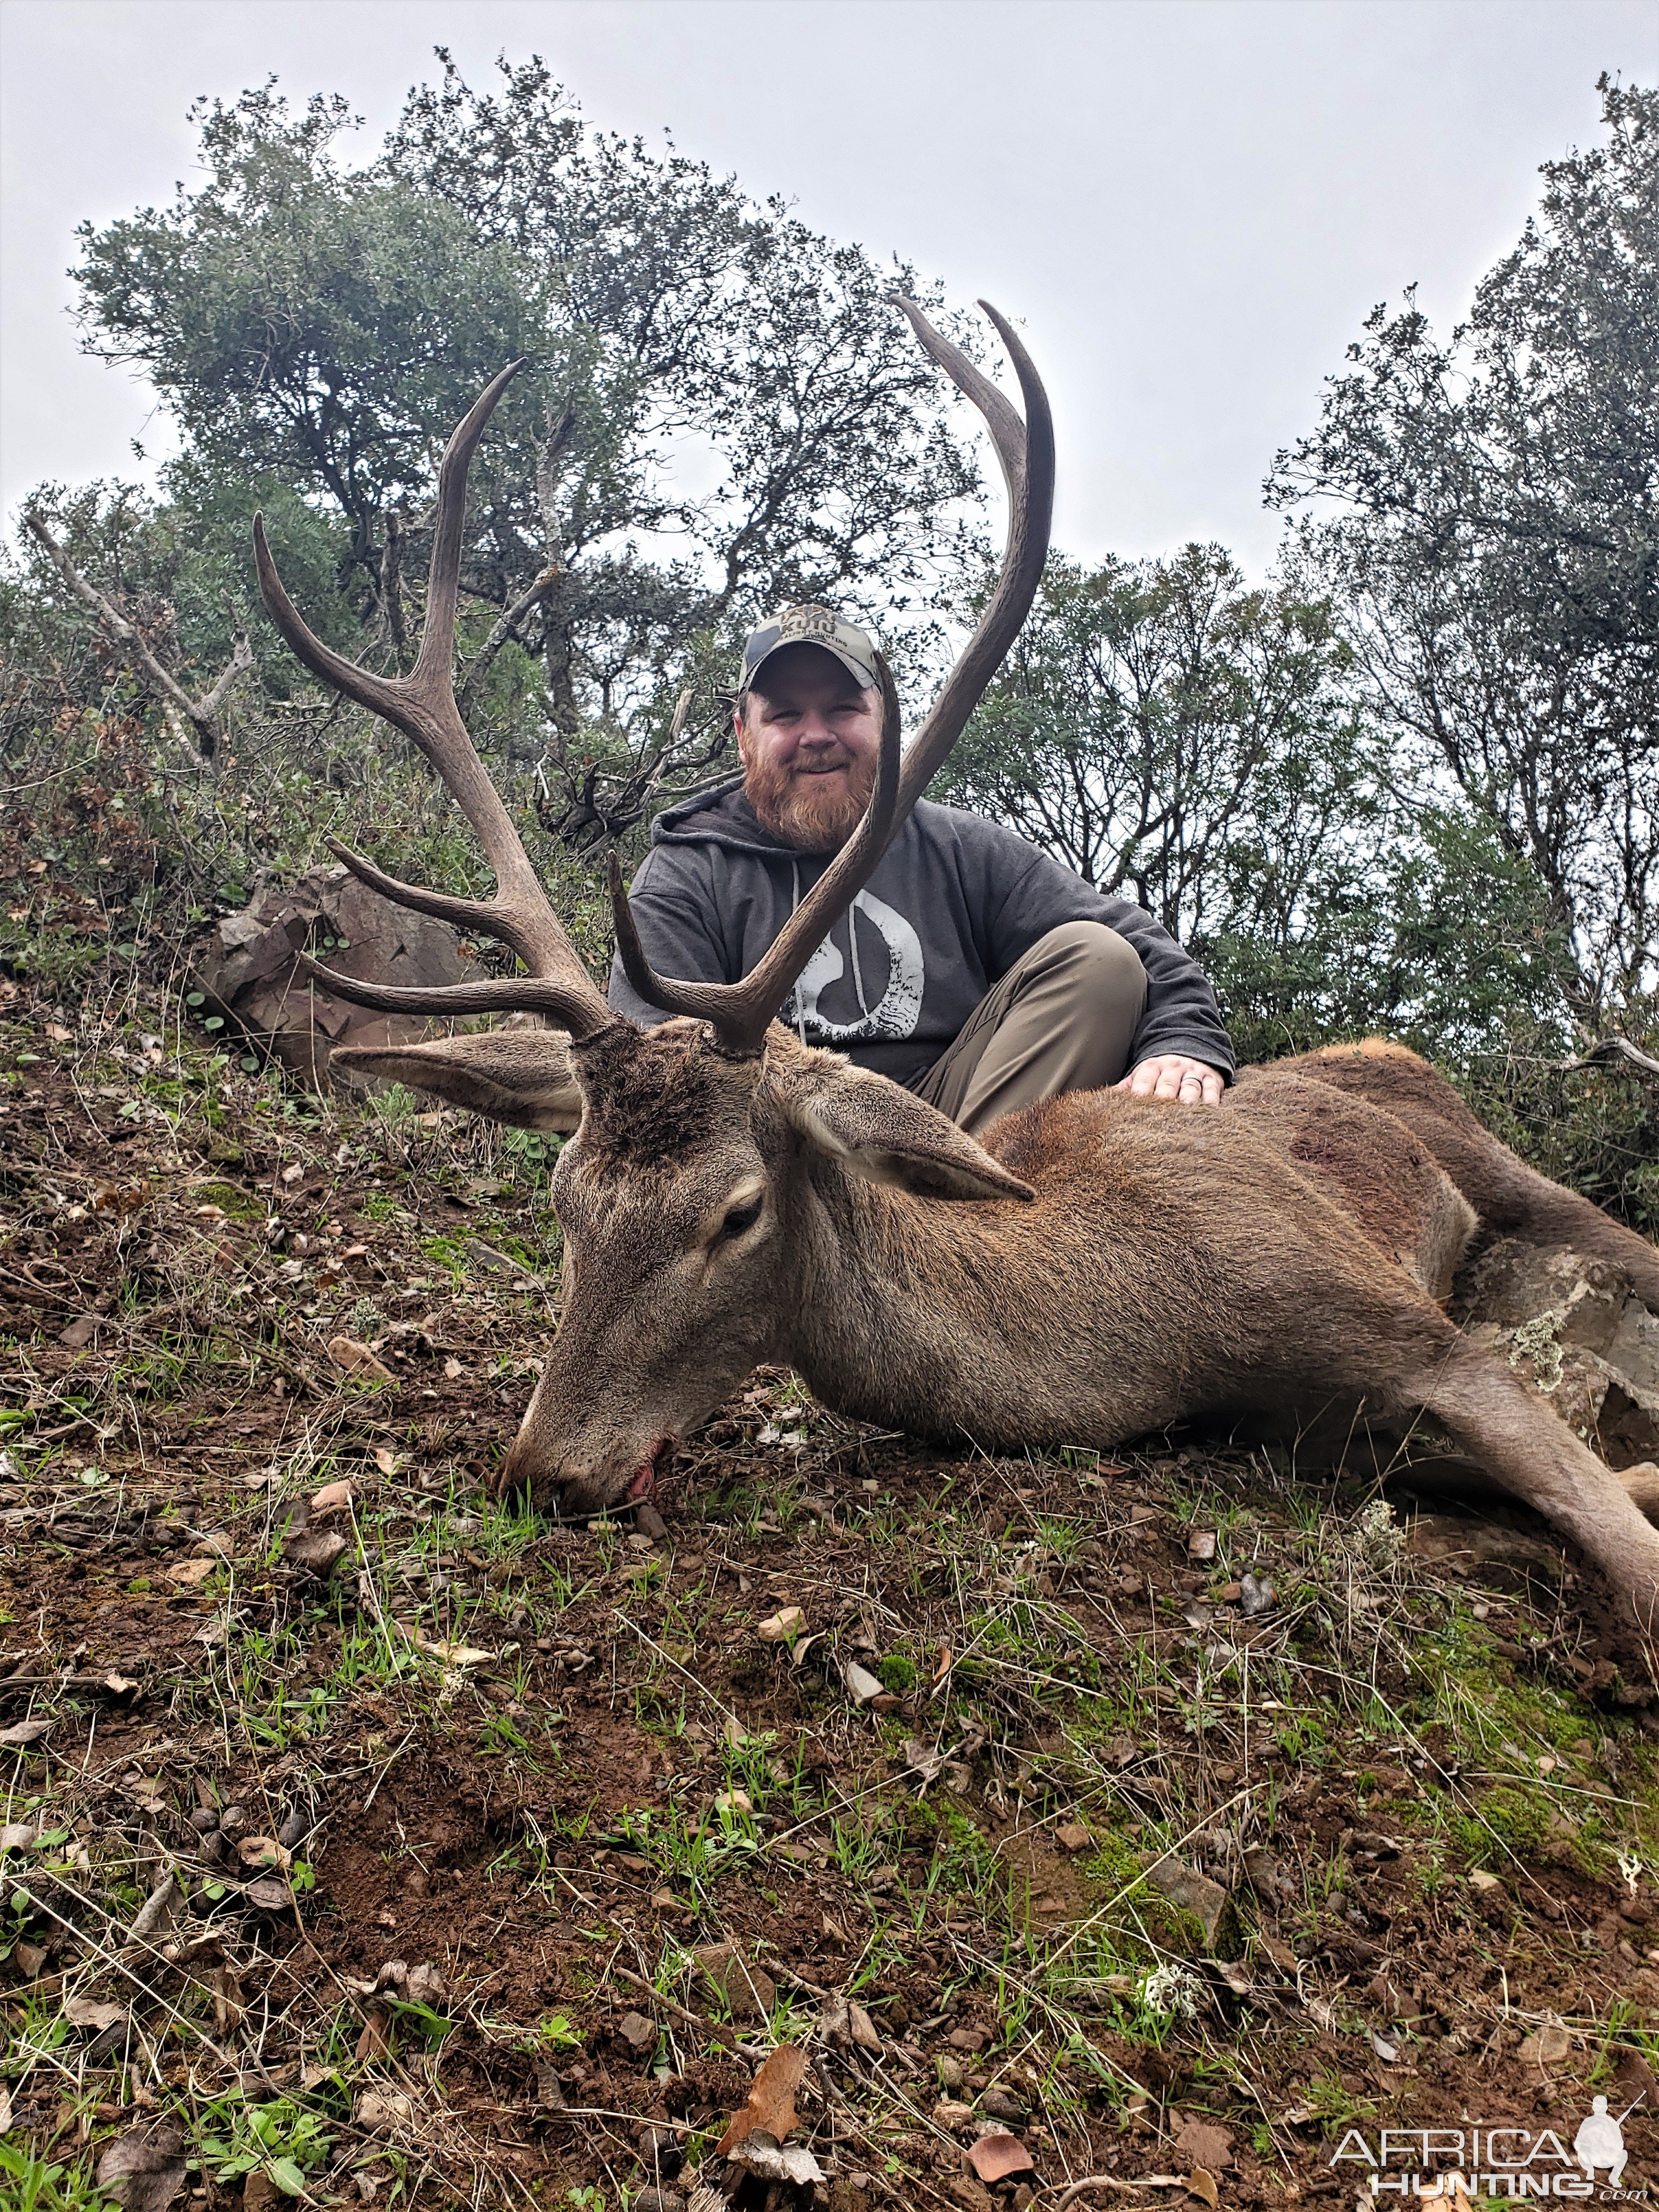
(856, 649)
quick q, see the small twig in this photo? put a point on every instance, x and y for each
(667, 2003)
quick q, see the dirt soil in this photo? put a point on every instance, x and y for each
(1189, 1819)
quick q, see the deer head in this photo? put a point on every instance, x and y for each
(706, 1152)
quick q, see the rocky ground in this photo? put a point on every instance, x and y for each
(1175, 1823)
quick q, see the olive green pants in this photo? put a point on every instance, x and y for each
(1062, 1018)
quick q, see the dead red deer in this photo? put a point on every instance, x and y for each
(1100, 1268)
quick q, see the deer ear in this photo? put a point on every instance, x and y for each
(886, 1135)
(521, 1076)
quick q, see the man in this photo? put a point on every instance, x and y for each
(973, 968)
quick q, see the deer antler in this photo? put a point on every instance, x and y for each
(423, 706)
(742, 1012)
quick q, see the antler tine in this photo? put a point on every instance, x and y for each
(504, 994)
(1026, 451)
(423, 706)
(741, 1011)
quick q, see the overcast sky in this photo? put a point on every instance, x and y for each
(1189, 204)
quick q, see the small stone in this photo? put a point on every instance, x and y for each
(951, 2076)
(748, 1990)
(949, 2114)
(967, 2039)
(1201, 1544)
(649, 1523)
(1547, 2046)
(1073, 1837)
(1202, 2143)
(1256, 1595)
(635, 2029)
(998, 2105)
(861, 1684)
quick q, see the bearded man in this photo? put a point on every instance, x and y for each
(973, 969)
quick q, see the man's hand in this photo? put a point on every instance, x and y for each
(1190, 1082)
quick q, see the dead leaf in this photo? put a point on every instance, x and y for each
(862, 2029)
(381, 2110)
(1202, 2183)
(427, 1985)
(333, 1498)
(781, 1625)
(80, 1332)
(455, 1655)
(270, 1894)
(145, 2169)
(994, 2157)
(759, 2155)
(349, 1352)
(924, 1759)
(191, 1571)
(373, 2042)
(5, 2108)
(23, 1732)
(386, 1460)
(771, 2106)
(87, 2011)
(451, 1368)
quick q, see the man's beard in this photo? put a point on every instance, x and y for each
(806, 811)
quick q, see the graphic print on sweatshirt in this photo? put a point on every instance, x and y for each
(895, 1013)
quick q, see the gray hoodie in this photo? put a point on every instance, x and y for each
(954, 902)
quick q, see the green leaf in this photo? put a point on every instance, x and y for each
(287, 2177)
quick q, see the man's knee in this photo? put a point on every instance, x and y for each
(1103, 967)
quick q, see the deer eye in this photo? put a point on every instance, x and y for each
(742, 1217)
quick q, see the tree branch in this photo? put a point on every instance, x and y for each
(202, 713)
(1608, 1050)
(505, 628)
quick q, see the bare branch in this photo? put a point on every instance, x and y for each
(1608, 1050)
(202, 712)
(504, 629)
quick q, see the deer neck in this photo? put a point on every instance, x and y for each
(898, 1310)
